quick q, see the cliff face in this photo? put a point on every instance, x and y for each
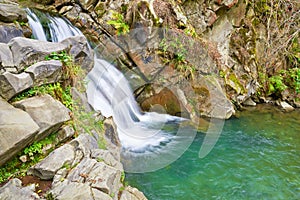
(248, 51)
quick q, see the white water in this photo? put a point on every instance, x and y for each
(58, 27)
(108, 91)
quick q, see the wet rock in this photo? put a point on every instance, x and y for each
(45, 72)
(12, 84)
(28, 51)
(9, 31)
(131, 193)
(113, 142)
(47, 112)
(285, 106)
(17, 130)
(47, 168)
(11, 13)
(14, 190)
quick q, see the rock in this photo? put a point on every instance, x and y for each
(17, 130)
(6, 57)
(249, 102)
(81, 172)
(11, 13)
(64, 133)
(131, 193)
(67, 190)
(9, 31)
(28, 51)
(79, 48)
(107, 157)
(105, 178)
(100, 195)
(81, 100)
(45, 72)
(12, 84)
(23, 158)
(47, 112)
(14, 190)
(47, 168)
(111, 136)
(285, 106)
(85, 143)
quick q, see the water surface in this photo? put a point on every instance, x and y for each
(256, 157)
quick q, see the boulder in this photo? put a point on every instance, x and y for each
(17, 130)
(47, 168)
(14, 190)
(11, 13)
(12, 84)
(47, 112)
(28, 51)
(45, 72)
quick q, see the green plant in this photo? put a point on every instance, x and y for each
(16, 168)
(276, 84)
(118, 23)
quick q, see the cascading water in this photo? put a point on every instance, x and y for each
(145, 137)
(53, 29)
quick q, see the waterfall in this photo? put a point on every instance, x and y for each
(51, 28)
(149, 140)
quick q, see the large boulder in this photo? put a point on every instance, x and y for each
(12, 84)
(11, 13)
(17, 130)
(28, 51)
(131, 193)
(47, 112)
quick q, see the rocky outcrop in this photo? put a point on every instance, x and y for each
(17, 129)
(44, 111)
